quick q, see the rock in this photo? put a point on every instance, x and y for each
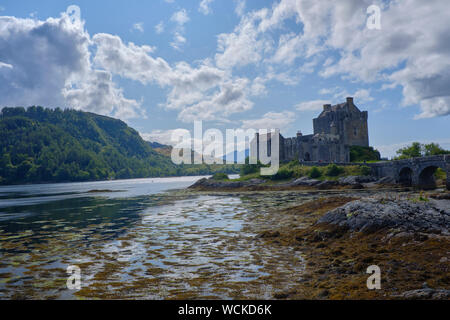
(327, 184)
(385, 180)
(372, 214)
(426, 293)
(216, 184)
(304, 181)
(355, 180)
(254, 182)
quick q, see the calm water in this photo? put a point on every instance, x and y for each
(141, 239)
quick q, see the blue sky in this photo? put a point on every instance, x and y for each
(159, 65)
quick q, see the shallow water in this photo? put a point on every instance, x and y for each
(139, 239)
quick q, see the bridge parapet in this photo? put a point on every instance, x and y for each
(415, 171)
(418, 172)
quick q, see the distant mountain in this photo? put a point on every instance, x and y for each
(46, 145)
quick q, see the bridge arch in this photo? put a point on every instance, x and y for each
(405, 176)
(426, 176)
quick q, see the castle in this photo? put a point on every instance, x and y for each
(336, 129)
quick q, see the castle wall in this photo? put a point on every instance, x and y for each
(355, 131)
(335, 130)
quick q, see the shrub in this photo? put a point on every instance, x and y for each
(333, 170)
(315, 173)
(282, 174)
(220, 176)
(440, 174)
(293, 163)
(365, 170)
(360, 154)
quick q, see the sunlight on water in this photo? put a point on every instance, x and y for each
(133, 243)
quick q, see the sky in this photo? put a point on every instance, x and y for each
(160, 65)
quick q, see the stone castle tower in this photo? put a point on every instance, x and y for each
(336, 129)
(344, 120)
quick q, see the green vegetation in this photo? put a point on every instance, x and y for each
(248, 168)
(333, 170)
(45, 145)
(440, 174)
(294, 169)
(360, 154)
(417, 149)
(365, 170)
(282, 174)
(315, 173)
(220, 176)
(420, 198)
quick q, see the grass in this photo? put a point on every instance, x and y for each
(294, 170)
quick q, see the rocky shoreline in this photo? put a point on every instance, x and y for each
(361, 222)
(303, 183)
(406, 235)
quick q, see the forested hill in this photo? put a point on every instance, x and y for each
(45, 145)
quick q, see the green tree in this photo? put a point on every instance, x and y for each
(412, 151)
(433, 149)
(417, 149)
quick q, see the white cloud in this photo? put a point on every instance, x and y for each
(99, 91)
(229, 99)
(313, 105)
(180, 17)
(159, 28)
(204, 6)
(338, 95)
(246, 45)
(199, 93)
(240, 7)
(178, 41)
(5, 65)
(160, 136)
(410, 50)
(129, 61)
(270, 120)
(56, 70)
(139, 26)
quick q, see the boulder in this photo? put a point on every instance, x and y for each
(371, 214)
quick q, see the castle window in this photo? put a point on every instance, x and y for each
(355, 132)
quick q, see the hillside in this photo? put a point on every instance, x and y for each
(46, 145)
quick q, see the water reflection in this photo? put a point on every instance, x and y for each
(173, 244)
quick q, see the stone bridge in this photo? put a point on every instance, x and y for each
(416, 172)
